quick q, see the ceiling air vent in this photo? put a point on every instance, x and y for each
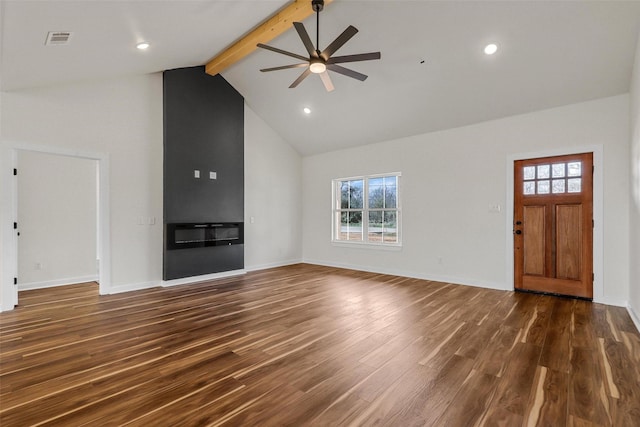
(58, 38)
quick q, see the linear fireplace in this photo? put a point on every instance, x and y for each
(199, 235)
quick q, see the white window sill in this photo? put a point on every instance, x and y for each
(360, 245)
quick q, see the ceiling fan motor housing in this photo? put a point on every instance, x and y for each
(317, 5)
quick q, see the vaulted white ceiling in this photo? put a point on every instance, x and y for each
(433, 74)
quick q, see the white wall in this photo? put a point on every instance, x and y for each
(450, 178)
(57, 220)
(634, 287)
(123, 118)
(273, 197)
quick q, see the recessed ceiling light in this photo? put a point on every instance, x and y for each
(490, 49)
(142, 45)
(307, 110)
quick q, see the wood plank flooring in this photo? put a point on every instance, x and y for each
(309, 345)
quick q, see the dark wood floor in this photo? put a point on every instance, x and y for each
(309, 345)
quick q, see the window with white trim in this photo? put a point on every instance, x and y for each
(366, 209)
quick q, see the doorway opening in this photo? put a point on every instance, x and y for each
(57, 220)
(9, 281)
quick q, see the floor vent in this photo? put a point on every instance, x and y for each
(58, 38)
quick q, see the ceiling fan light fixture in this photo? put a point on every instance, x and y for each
(317, 67)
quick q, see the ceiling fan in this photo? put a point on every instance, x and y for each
(321, 62)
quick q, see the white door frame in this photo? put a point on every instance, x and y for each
(598, 211)
(9, 209)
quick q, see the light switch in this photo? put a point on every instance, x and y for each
(196, 173)
(213, 175)
(495, 208)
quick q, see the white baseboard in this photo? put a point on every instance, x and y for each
(634, 316)
(56, 282)
(203, 278)
(197, 279)
(610, 301)
(272, 265)
(436, 278)
(133, 287)
(458, 281)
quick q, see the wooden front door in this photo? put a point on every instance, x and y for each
(553, 225)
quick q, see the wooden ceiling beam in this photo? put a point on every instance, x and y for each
(281, 21)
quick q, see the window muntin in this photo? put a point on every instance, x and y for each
(556, 178)
(366, 210)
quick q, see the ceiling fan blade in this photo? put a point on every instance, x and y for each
(326, 81)
(347, 72)
(285, 67)
(284, 52)
(339, 42)
(306, 40)
(301, 78)
(354, 58)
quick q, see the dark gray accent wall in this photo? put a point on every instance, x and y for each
(204, 131)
